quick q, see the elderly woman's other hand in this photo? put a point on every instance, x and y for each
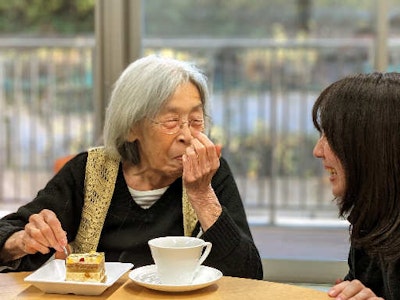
(42, 232)
(200, 163)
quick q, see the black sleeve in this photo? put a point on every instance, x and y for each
(381, 277)
(63, 194)
(234, 251)
(350, 261)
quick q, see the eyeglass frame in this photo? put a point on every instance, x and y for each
(180, 125)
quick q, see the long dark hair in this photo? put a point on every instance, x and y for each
(360, 117)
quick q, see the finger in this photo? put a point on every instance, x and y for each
(55, 225)
(218, 148)
(364, 293)
(201, 152)
(62, 254)
(190, 164)
(34, 232)
(39, 239)
(31, 246)
(208, 157)
(206, 143)
(338, 288)
(355, 289)
(212, 151)
(338, 280)
(192, 154)
(46, 229)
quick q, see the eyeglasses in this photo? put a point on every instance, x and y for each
(172, 126)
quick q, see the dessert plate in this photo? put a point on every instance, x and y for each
(50, 278)
(147, 276)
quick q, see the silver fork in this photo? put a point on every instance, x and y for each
(65, 251)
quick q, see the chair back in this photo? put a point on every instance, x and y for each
(60, 162)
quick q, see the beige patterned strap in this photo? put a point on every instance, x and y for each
(101, 175)
(189, 215)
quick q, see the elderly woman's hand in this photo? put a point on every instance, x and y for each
(352, 290)
(42, 232)
(200, 163)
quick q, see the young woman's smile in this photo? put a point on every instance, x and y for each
(333, 166)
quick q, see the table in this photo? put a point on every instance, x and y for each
(12, 286)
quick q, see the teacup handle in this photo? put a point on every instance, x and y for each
(208, 246)
(202, 258)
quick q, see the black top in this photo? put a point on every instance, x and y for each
(382, 278)
(128, 227)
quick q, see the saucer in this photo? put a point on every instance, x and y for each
(147, 276)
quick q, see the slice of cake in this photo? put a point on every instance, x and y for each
(86, 267)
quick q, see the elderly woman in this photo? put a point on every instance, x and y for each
(158, 174)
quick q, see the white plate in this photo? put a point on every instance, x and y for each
(147, 276)
(50, 278)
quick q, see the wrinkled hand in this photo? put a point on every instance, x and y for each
(43, 232)
(200, 162)
(353, 290)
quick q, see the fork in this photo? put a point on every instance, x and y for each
(65, 251)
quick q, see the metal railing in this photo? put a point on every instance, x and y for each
(262, 94)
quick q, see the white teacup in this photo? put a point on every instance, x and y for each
(178, 258)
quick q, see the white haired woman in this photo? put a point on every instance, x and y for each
(158, 174)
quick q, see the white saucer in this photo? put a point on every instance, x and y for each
(147, 276)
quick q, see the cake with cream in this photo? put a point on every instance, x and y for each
(85, 267)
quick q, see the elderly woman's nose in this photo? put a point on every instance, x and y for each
(185, 133)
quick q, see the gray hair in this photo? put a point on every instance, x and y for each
(140, 92)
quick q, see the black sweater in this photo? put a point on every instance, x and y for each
(382, 278)
(128, 227)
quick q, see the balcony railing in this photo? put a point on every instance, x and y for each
(262, 94)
